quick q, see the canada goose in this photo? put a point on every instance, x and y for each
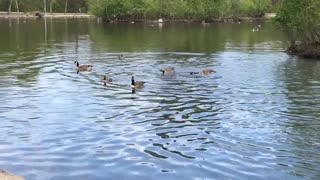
(207, 71)
(168, 70)
(106, 80)
(121, 57)
(204, 72)
(136, 85)
(83, 67)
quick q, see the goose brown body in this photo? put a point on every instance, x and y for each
(207, 71)
(136, 84)
(168, 70)
(83, 67)
(106, 80)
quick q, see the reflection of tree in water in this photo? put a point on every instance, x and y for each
(177, 38)
(23, 44)
(242, 36)
(301, 79)
(182, 37)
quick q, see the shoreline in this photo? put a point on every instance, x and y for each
(6, 176)
(5, 15)
(311, 51)
(267, 16)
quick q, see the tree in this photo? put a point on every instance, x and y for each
(300, 20)
(9, 9)
(50, 6)
(66, 7)
(17, 6)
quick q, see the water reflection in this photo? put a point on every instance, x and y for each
(301, 79)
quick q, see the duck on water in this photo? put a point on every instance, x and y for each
(136, 85)
(83, 67)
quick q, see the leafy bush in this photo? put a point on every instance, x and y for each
(179, 8)
(255, 8)
(300, 20)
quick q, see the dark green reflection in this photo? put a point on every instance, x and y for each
(180, 37)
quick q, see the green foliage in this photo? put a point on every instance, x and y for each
(255, 8)
(4, 5)
(198, 9)
(124, 8)
(37, 5)
(300, 20)
(179, 8)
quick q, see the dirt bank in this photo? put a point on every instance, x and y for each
(6, 176)
(306, 50)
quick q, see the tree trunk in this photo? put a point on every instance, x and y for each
(51, 6)
(17, 6)
(66, 7)
(45, 6)
(9, 9)
(161, 3)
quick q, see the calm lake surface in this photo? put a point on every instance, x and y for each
(258, 117)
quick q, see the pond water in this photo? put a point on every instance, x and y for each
(257, 117)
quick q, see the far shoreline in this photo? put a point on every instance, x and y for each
(13, 15)
(267, 16)
(5, 15)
